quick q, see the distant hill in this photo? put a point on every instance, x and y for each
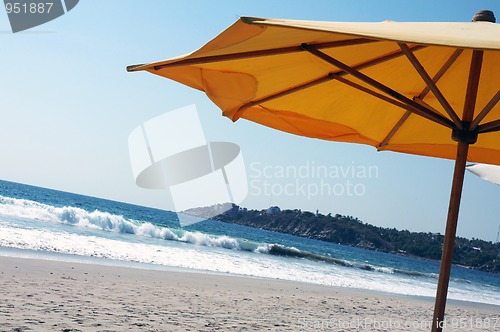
(351, 231)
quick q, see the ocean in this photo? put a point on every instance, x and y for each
(49, 224)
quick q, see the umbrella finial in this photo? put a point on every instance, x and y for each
(484, 16)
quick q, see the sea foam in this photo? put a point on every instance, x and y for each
(105, 221)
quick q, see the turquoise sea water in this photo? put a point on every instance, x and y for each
(59, 225)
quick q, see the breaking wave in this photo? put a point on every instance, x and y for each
(105, 221)
(280, 250)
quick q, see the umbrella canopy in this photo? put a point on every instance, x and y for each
(486, 172)
(272, 72)
(422, 88)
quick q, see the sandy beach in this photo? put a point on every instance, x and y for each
(43, 295)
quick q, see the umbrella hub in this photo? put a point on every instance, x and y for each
(484, 16)
(465, 135)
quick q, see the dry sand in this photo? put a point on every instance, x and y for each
(42, 295)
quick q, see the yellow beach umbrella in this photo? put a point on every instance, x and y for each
(430, 89)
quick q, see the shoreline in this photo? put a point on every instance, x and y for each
(41, 294)
(99, 261)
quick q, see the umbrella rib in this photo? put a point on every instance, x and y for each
(394, 102)
(485, 111)
(337, 74)
(284, 93)
(403, 119)
(276, 51)
(442, 71)
(472, 85)
(415, 107)
(432, 86)
(395, 129)
(489, 127)
(329, 77)
(382, 59)
(254, 54)
(424, 104)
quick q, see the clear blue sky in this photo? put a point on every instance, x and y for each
(67, 106)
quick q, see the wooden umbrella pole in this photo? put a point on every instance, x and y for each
(438, 321)
(464, 138)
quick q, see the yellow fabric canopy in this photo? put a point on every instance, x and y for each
(250, 68)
